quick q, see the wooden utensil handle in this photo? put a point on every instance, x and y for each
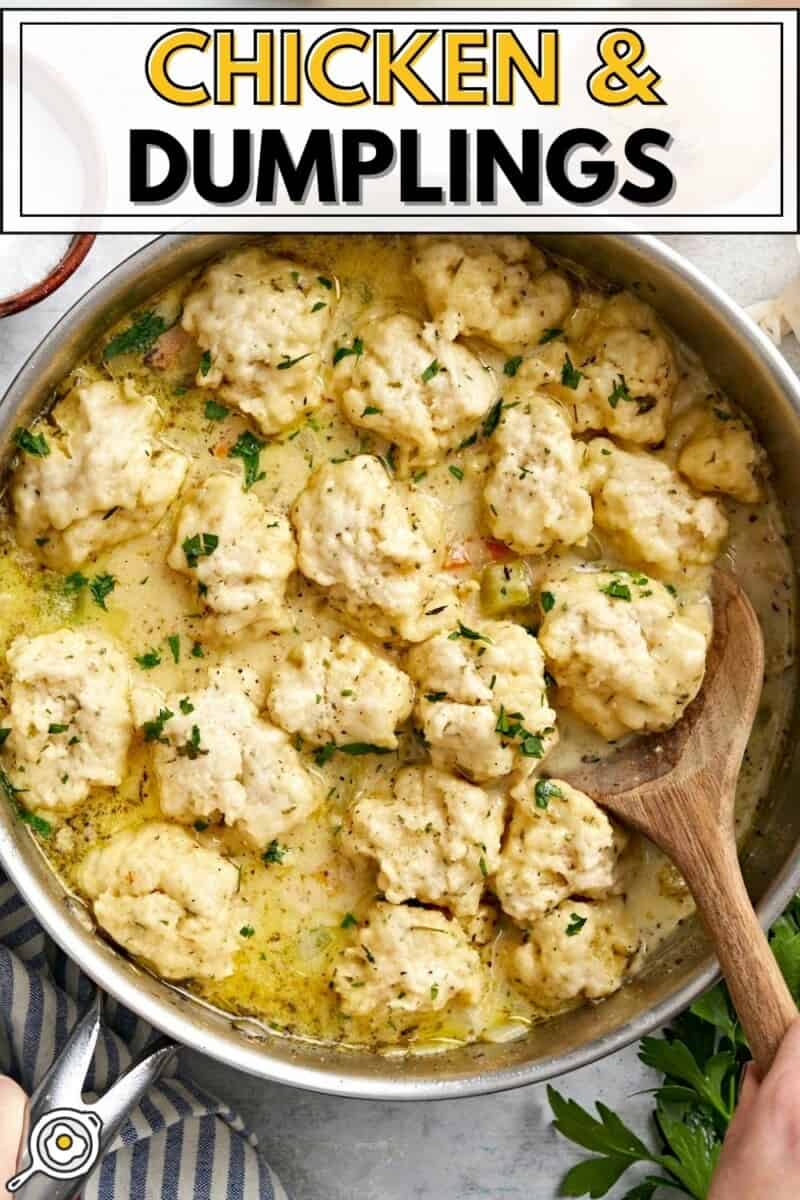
(762, 1000)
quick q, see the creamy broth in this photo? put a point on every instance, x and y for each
(296, 906)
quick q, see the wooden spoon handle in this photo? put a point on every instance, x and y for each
(762, 1000)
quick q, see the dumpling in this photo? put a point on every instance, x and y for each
(240, 555)
(69, 715)
(413, 387)
(435, 838)
(498, 287)
(96, 476)
(340, 692)
(263, 323)
(482, 699)
(375, 548)
(166, 899)
(626, 653)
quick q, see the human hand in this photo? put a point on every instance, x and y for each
(12, 1124)
(761, 1153)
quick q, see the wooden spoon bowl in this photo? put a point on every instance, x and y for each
(678, 789)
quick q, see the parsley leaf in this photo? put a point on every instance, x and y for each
(547, 601)
(216, 412)
(205, 363)
(75, 582)
(248, 448)
(617, 590)
(348, 921)
(32, 443)
(100, 587)
(570, 375)
(4, 734)
(326, 283)
(174, 643)
(470, 634)
(545, 791)
(512, 365)
(153, 730)
(620, 391)
(191, 748)
(199, 545)
(138, 337)
(275, 852)
(246, 931)
(357, 349)
(456, 472)
(186, 706)
(433, 368)
(292, 362)
(492, 419)
(148, 660)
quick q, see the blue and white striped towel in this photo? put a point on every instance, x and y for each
(180, 1143)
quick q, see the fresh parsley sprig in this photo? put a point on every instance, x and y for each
(700, 1058)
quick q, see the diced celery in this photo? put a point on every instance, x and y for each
(505, 586)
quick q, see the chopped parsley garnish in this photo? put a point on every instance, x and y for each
(547, 601)
(197, 651)
(199, 545)
(37, 824)
(153, 730)
(576, 924)
(326, 283)
(174, 643)
(205, 363)
(324, 754)
(434, 990)
(246, 931)
(191, 748)
(570, 375)
(673, 591)
(75, 582)
(320, 304)
(292, 362)
(435, 697)
(456, 472)
(617, 590)
(32, 443)
(215, 412)
(248, 448)
(275, 852)
(492, 419)
(483, 867)
(186, 706)
(100, 587)
(138, 337)
(56, 728)
(4, 735)
(545, 791)
(550, 335)
(510, 725)
(470, 634)
(433, 368)
(148, 660)
(372, 410)
(200, 826)
(620, 391)
(512, 365)
(357, 349)
(348, 921)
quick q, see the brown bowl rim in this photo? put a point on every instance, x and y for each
(75, 253)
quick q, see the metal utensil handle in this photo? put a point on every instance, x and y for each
(58, 1101)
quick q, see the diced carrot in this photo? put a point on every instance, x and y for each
(457, 557)
(497, 551)
(221, 449)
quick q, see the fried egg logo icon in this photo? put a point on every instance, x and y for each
(64, 1144)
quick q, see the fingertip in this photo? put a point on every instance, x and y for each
(13, 1105)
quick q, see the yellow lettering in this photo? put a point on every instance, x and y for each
(158, 60)
(511, 58)
(394, 66)
(290, 39)
(457, 68)
(317, 66)
(230, 68)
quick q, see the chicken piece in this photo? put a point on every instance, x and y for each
(215, 758)
(408, 960)
(656, 520)
(482, 699)
(340, 692)
(578, 951)
(717, 452)
(535, 496)
(240, 555)
(69, 716)
(263, 324)
(559, 844)
(376, 548)
(435, 838)
(627, 654)
(166, 899)
(413, 387)
(499, 288)
(94, 475)
(613, 369)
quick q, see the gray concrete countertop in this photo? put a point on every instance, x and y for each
(494, 1147)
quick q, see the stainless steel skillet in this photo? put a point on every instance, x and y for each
(759, 380)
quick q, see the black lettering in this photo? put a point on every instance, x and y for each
(275, 158)
(354, 168)
(492, 152)
(411, 190)
(602, 174)
(224, 193)
(143, 191)
(663, 181)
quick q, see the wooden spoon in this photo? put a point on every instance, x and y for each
(678, 789)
